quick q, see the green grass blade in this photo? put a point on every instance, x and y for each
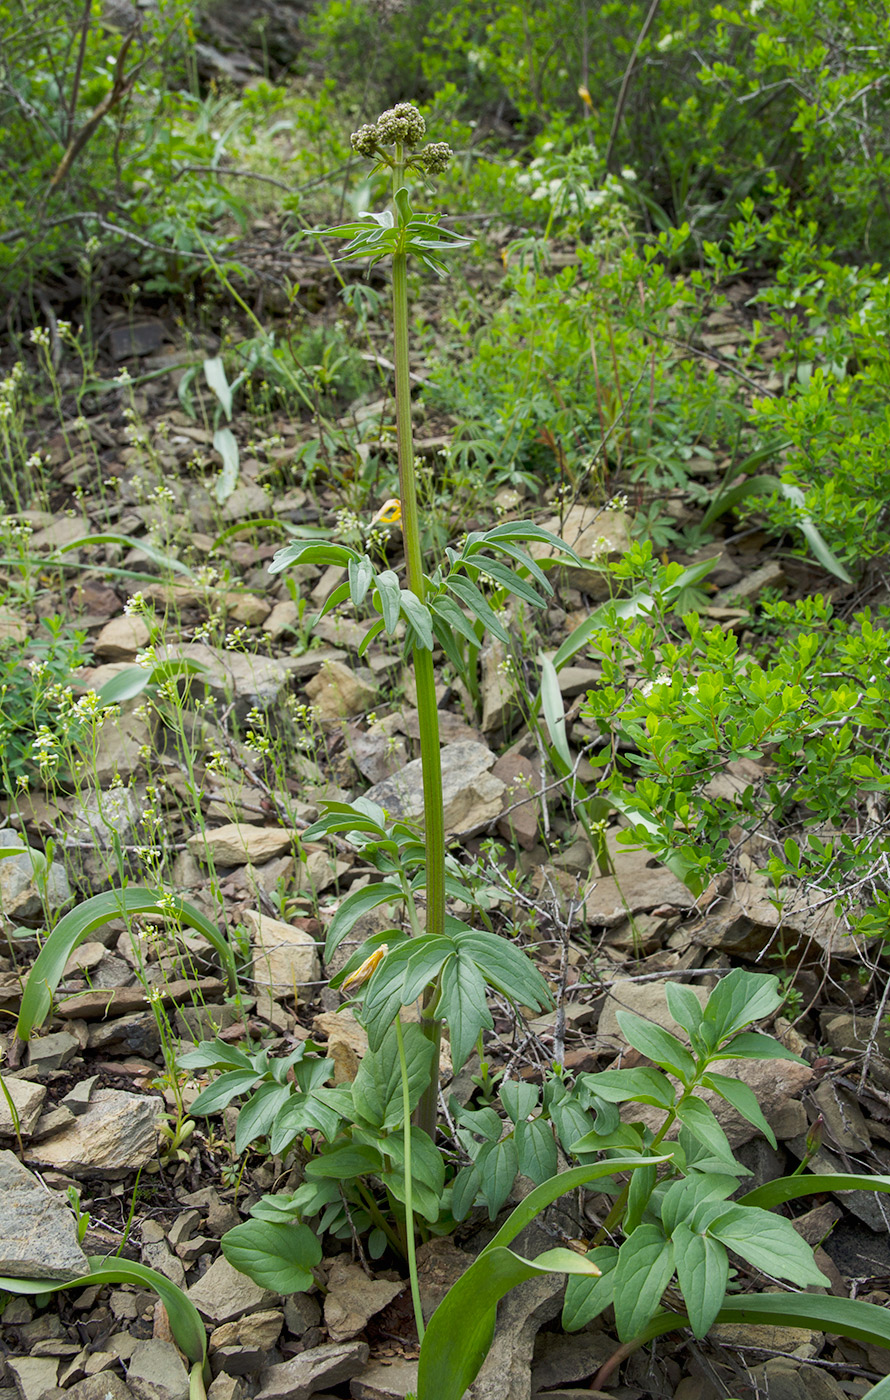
(79, 923)
(846, 1317)
(789, 1188)
(461, 1329)
(549, 1191)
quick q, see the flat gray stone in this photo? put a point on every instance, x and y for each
(472, 795)
(114, 1137)
(33, 1374)
(223, 1294)
(306, 1373)
(28, 1099)
(38, 1237)
(155, 1372)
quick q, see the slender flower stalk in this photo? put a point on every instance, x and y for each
(424, 674)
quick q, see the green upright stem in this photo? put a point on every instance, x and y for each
(409, 1183)
(427, 711)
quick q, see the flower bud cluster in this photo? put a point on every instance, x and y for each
(435, 157)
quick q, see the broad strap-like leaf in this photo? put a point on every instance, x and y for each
(461, 1329)
(586, 1298)
(743, 1100)
(86, 918)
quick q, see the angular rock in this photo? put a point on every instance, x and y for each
(559, 1359)
(50, 1052)
(284, 955)
(65, 529)
(155, 1372)
(353, 1298)
(12, 625)
(22, 877)
(284, 618)
(28, 1099)
(804, 1342)
(232, 676)
(246, 608)
(748, 922)
(498, 685)
(638, 884)
(596, 535)
(385, 1380)
(238, 843)
(224, 1295)
(114, 1137)
(506, 1371)
(33, 1374)
(122, 638)
(473, 797)
(243, 1346)
(119, 748)
(376, 754)
(38, 1236)
(522, 777)
(338, 692)
(749, 586)
(306, 1373)
(106, 1385)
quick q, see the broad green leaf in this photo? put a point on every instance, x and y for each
(361, 575)
(769, 1243)
(388, 598)
(377, 1087)
(344, 1163)
(791, 1188)
(462, 1003)
(276, 1256)
(427, 1172)
(503, 965)
(221, 1092)
(700, 1121)
(476, 602)
(451, 615)
(743, 1100)
(464, 1190)
(657, 1045)
(79, 923)
(353, 907)
(702, 1273)
(418, 614)
(553, 710)
(640, 1085)
(214, 1054)
(586, 1298)
(383, 996)
(498, 1165)
(256, 1117)
(684, 1006)
(683, 1197)
(644, 1270)
(215, 374)
(536, 1149)
(518, 1099)
(511, 582)
(751, 1045)
(311, 552)
(428, 956)
(639, 1191)
(224, 442)
(460, 1331)
(740, 998)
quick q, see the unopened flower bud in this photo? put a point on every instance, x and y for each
(366, 140)
(436, 157)
(402, 123)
